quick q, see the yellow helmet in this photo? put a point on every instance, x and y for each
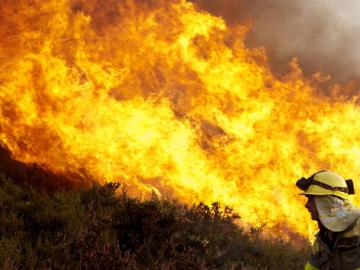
(326, 183)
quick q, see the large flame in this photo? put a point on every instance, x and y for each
(166, 98)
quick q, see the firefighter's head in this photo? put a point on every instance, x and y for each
(327, 194)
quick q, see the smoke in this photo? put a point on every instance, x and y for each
(323, 35)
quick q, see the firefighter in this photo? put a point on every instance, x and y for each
(337, 244)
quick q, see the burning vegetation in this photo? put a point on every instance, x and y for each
(166, 98)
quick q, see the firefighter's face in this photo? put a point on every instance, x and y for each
(311, 207)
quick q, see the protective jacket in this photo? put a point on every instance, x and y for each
(343, 253)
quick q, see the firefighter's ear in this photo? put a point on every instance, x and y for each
(350, 186)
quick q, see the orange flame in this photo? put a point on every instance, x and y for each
(166, 98)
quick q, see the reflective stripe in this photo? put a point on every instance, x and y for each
(308, 266)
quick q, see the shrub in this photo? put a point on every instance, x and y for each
(97, 229)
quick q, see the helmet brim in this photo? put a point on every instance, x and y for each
(318, 191)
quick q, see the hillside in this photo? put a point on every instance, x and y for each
(104, 228)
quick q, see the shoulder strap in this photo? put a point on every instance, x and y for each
(341, 234)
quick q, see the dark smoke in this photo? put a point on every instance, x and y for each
(323, 34)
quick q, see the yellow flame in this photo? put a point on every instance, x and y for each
(166, 98)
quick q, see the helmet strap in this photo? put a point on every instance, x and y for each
(323, 185)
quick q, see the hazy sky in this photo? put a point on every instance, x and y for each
(323, 34)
